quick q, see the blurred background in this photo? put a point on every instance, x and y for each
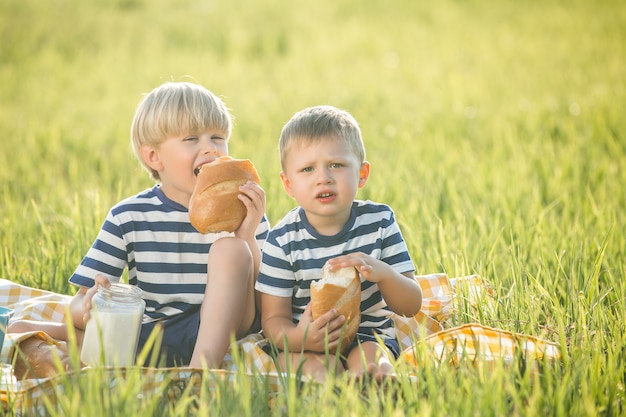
(489, 125)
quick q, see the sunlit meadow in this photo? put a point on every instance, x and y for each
(495, 130)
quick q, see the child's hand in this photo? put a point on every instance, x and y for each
(253, 197)
(86, 304)
(370, 268)
(322, 333)
(401, 292)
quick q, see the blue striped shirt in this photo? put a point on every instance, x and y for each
(151, 236)
(294, 254)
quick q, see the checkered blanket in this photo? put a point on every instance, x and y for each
(432, 327)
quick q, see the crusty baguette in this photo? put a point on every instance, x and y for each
(214, 206)
(341, 290)
(38, 356)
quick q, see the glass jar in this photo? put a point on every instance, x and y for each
(7, 378)
(112, 331)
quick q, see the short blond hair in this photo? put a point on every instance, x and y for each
(175, 108)
(314, 123)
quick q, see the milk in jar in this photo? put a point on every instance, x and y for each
(112, 331)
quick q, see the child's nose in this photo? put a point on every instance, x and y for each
(324, 176)
(208, 146)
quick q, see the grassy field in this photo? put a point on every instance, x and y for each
(495, 130)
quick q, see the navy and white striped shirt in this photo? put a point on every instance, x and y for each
(152, 237)
(294, 254)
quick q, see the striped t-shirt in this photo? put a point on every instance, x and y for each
(294, 254)
(152, 237)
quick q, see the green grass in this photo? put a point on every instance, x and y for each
(495, 130)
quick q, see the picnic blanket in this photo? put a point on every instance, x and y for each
(434, 327)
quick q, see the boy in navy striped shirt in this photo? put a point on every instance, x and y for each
(199, 289)
(323, 166)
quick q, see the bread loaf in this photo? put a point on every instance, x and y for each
(214, 206)
(341, 290)
(39, 356)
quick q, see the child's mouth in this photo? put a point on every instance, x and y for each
(325, 197)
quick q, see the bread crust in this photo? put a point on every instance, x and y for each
(345, 297)
(214, 206)
(37, 357)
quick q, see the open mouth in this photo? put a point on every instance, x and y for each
(197, 170)
(325, 196)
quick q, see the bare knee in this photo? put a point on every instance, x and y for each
(230, 258)
(230, 249)
(313, 365)
(370, 358)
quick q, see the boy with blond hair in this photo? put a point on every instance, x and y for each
(198, 288)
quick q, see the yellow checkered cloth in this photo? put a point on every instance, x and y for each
(473, 341)
(481, 346)
(31, 303)
(35, 304)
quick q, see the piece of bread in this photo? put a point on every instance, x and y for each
(39, 356)
(341, 290)
(214, 206)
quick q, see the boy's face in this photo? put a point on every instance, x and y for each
(178, 159)
(324, 177)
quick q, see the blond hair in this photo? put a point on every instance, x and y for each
(320, 122)
(176, 108)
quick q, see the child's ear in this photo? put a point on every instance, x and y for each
(151, 157)
(364, 173)
(286, 183)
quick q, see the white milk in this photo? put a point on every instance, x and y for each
(112, 332)
(115, 333)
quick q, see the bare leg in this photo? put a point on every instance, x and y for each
(228, 305)
(57, 331)
(314, 365)
(370, 359)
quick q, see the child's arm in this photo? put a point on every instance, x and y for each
(307, 335)
(253, 197)
(401, 292)
(80, 304)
